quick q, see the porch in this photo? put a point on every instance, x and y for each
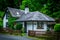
(35, 26)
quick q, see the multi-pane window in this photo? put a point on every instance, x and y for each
(40, 25)
(6, 24)
(7, 16)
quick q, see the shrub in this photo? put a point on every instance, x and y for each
(11, 26)
(57, 27)
(18, 26)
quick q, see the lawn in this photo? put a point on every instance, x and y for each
(35, 38)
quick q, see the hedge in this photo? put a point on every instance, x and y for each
(57, 27)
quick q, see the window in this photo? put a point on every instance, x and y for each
(7, 16)
(18, 14)
(40, 25)
(6, 24)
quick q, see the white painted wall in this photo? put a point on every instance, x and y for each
(30, 27)
(4, 21)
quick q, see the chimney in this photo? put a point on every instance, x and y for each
(26, 9)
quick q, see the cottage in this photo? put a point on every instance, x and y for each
(35, 21)
(31, 20)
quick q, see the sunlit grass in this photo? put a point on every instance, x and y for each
(35, 38)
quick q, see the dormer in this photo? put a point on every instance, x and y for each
(18, 14)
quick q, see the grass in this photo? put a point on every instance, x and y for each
(23, 34)
(35, 38)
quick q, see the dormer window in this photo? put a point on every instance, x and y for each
(18, 14)
(7, 24)
(7, 14)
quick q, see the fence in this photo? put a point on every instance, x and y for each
(36, 33)
(46, 35)
(10, 31)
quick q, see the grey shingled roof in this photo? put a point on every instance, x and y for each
(35, 16)
(14, 11)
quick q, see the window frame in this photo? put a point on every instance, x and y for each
(6, 24)
(40, 25)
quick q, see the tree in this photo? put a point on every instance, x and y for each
(19, 26)
(9, 3)
(33, 4)
(49, 7)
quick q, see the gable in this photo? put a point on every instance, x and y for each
(15, 12)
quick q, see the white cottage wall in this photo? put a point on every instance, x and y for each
(29, 26)
(4, 21)
(33, 26)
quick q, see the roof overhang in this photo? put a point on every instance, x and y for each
(34, 21)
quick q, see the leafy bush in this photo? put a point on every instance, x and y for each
(11, 21)
(18, 26)
(1, 20)
(57, 27)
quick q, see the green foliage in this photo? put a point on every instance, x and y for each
(51, 8)
(48, 7)
(9, 3)
(1, 13)
(57, 27)
(11, 21)
(33, 4)
(18, 26)
(1, 24)
(1, 20)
